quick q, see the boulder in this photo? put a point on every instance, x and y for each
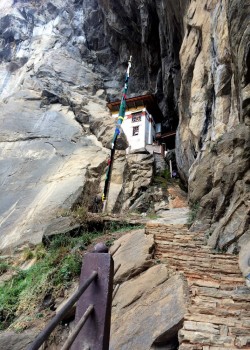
(138, 177)
(148, 311)
(104, 129)
(134, 254)
(116, 181)
(16, 341)
(177, 197)
(131, 176)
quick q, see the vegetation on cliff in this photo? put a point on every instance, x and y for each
(42, 273)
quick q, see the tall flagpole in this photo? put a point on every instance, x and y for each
(121, 116)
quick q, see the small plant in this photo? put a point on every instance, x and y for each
(70, 267)
(115, 226)
(163, 178)
(82, 241)
(110, 242)
(60, 241)
(9, 294)
(63, 213)
(152, 215)
(166, 174)
(80, 213)
(193, 213)
(4, 267)
(40, 252)
(27, 254)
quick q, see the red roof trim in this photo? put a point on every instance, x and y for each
(143, 98)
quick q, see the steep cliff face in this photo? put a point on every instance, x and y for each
(61, 61)
(46, 154)
(213, 134)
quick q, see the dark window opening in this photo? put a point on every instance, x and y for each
(135, 130)
(136, 117)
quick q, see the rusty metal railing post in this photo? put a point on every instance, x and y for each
(45, 333)
(96, 331)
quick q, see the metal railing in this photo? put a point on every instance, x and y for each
(93, 309)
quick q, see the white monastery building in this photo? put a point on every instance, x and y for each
(138, 124)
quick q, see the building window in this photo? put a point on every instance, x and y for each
(136, 117)
(135, 130)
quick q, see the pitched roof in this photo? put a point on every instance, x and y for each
(148, 101)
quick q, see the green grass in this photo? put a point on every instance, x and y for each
(55, 268)
(163, 179)
(4, 267)
(80, 213)
(28, 254)
(114, 226)
(57, 264)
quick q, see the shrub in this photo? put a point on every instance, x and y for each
(193, 213)
(27, 254)
(60, 241)
(80, 213)
(70, 268)
(4, 267)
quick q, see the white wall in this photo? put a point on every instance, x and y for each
(140, 140)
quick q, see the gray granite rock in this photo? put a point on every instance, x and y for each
(134, 254)
(148, 311)
(16, 341)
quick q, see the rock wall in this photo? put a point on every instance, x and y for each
(150, 31)
(55, 127)
(195, 56)
(57, 69)
(44, 86)
(213, 134)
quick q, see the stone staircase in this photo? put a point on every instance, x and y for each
(218, 312)
(159, 163)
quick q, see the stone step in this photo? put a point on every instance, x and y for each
(217, 311)
(206, 338)
(179, 237)
(190, 254)
(181, 245)
(191, 249)
(186, 346)
(218, 277)
(203, 266)
(234, 294)
(218, 314)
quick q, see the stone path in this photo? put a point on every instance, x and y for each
(218, 313)
(173, 216)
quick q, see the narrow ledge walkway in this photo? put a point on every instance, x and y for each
(218, 312)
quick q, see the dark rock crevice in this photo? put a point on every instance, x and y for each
(152, 33)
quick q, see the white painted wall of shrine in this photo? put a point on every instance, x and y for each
(146, 131)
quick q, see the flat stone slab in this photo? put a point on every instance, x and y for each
(134, 254)
(173, 216)
(148, 310)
